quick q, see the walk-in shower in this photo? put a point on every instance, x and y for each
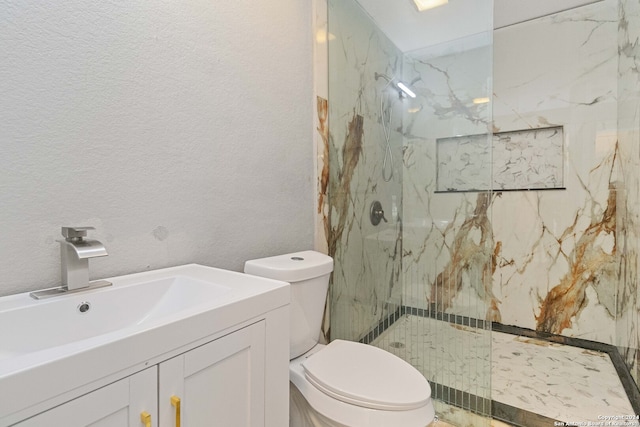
(507, 272)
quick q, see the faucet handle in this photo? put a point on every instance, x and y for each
(75, 232)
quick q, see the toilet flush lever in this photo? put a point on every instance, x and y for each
(376, 214)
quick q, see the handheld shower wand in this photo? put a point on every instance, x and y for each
(386, 129)
(387, 162)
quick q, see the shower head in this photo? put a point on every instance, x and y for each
(384, 76)
(404, 89)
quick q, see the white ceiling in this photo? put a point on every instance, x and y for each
(411, 30)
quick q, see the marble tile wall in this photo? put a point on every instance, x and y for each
(558, 264)
(365, 285)
(546, 260)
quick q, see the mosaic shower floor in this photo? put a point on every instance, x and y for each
(560, 382)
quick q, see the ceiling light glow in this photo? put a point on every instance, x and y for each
(406, 90)
(423, 5)
(481, 100)
(324, 36)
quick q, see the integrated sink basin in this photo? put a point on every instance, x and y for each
(54, 346)
(38, 325)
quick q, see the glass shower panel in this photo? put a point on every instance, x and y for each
(365, 154)
(628, 197)
(448, 244)
(418, 283)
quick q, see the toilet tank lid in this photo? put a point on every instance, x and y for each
(292, 267)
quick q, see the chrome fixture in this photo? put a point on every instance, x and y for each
(376, 214)
(84, 307)
(385, 119)
(75, 252)
(404, 89)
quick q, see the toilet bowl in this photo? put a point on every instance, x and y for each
(343, 383)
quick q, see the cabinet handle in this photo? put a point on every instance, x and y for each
(145, 418)
(175, 401)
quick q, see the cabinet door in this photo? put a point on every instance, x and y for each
(218, 384)
(116, 405)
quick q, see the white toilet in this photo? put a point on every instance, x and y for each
(343, 383)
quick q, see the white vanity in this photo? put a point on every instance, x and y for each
(188, 345)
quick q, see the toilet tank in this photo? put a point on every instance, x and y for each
(308, 273)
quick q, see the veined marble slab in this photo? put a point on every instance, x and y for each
(545, 260)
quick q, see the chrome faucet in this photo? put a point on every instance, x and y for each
(75, 252)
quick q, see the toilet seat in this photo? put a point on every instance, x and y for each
(367, 376)
(345, 414)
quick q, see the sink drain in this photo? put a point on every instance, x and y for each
(83, 307)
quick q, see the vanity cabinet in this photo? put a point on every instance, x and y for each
(115, 405)
(194, 344)
(219, 383)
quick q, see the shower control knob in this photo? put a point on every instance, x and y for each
(376, 213)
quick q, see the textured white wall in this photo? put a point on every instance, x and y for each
(181, 130)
